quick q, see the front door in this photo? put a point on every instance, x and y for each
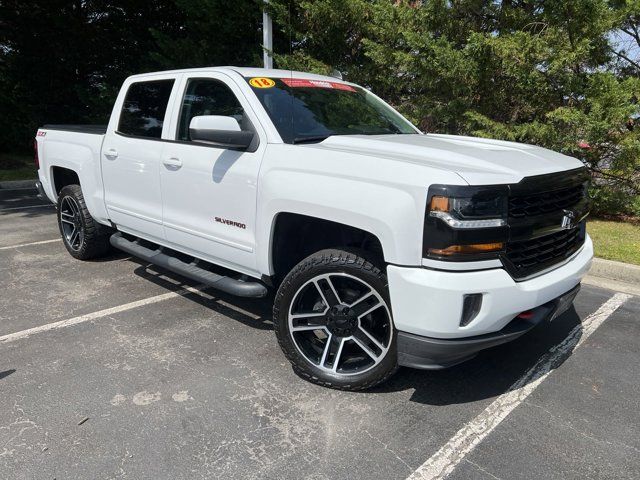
(209, 193)
(131, 154)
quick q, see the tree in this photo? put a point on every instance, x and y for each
(544, 72)
(211, 32)
(63, 61)
(558, 73)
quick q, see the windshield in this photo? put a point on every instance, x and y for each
(311, 110)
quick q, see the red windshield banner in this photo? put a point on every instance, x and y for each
(302, 83)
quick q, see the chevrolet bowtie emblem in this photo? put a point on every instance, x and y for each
(568, 220)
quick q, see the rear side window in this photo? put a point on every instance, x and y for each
(144, 108)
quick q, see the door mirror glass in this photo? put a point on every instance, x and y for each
(220, 131)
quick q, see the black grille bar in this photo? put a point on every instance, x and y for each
(546, 202)
(525, 258)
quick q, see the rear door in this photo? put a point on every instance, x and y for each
(208, 192)
(131, 155)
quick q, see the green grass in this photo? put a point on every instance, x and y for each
(615, 240)
(17, 167)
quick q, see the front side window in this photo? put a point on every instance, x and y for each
(144, 108)
(205, 96)
(311, 110)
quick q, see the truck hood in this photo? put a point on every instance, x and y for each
(479, 161)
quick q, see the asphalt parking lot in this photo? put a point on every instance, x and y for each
(113, 369)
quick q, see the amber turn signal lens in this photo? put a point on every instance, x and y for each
(439, 204)
(462, 249)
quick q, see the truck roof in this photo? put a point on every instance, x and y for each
(246, 72)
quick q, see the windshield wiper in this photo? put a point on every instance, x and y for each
(310, 139)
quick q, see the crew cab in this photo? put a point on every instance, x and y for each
(384, 246)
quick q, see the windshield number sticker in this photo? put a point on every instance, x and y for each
(261, 82)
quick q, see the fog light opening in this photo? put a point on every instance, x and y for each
(471, 304)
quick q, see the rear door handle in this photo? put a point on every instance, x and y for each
(172, 162)
(111, 154)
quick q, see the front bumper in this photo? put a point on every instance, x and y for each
(429, 302)
(436, 353)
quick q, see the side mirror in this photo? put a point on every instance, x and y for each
(219, 131)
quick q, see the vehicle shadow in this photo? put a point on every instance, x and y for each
(222, 165)
(24, 203)
(6, 373)
(112, 256)
(488, 375)
(253, 312)
(32, 211)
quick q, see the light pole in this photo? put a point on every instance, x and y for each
(267, 38)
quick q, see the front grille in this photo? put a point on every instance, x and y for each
(527, 257)
(541, 203)
(538, 208)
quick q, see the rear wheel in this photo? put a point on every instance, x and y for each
(333, 321)
(83, 237)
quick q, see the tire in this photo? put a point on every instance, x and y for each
(83, 237)
(332, 318)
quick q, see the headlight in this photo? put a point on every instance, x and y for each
(470, 212)
(465, 223)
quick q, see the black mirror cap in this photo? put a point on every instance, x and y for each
(232, 139)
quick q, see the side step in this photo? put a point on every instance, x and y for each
(189, 270)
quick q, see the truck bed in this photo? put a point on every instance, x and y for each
(93, 129)
(76, 148)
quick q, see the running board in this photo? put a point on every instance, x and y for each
(189, 270)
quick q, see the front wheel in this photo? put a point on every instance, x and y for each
(333, 321)
(83, 237)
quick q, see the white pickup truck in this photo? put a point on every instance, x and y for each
(385, 246)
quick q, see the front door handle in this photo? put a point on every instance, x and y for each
(111, 154)
(172, 162)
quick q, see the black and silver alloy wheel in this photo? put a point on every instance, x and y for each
(333, 320)
(340, 324)
(71, 223)
(83, 237)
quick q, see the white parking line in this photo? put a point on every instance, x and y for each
(25, 208)
(445, 460)
(100, 314)
(29, 244)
